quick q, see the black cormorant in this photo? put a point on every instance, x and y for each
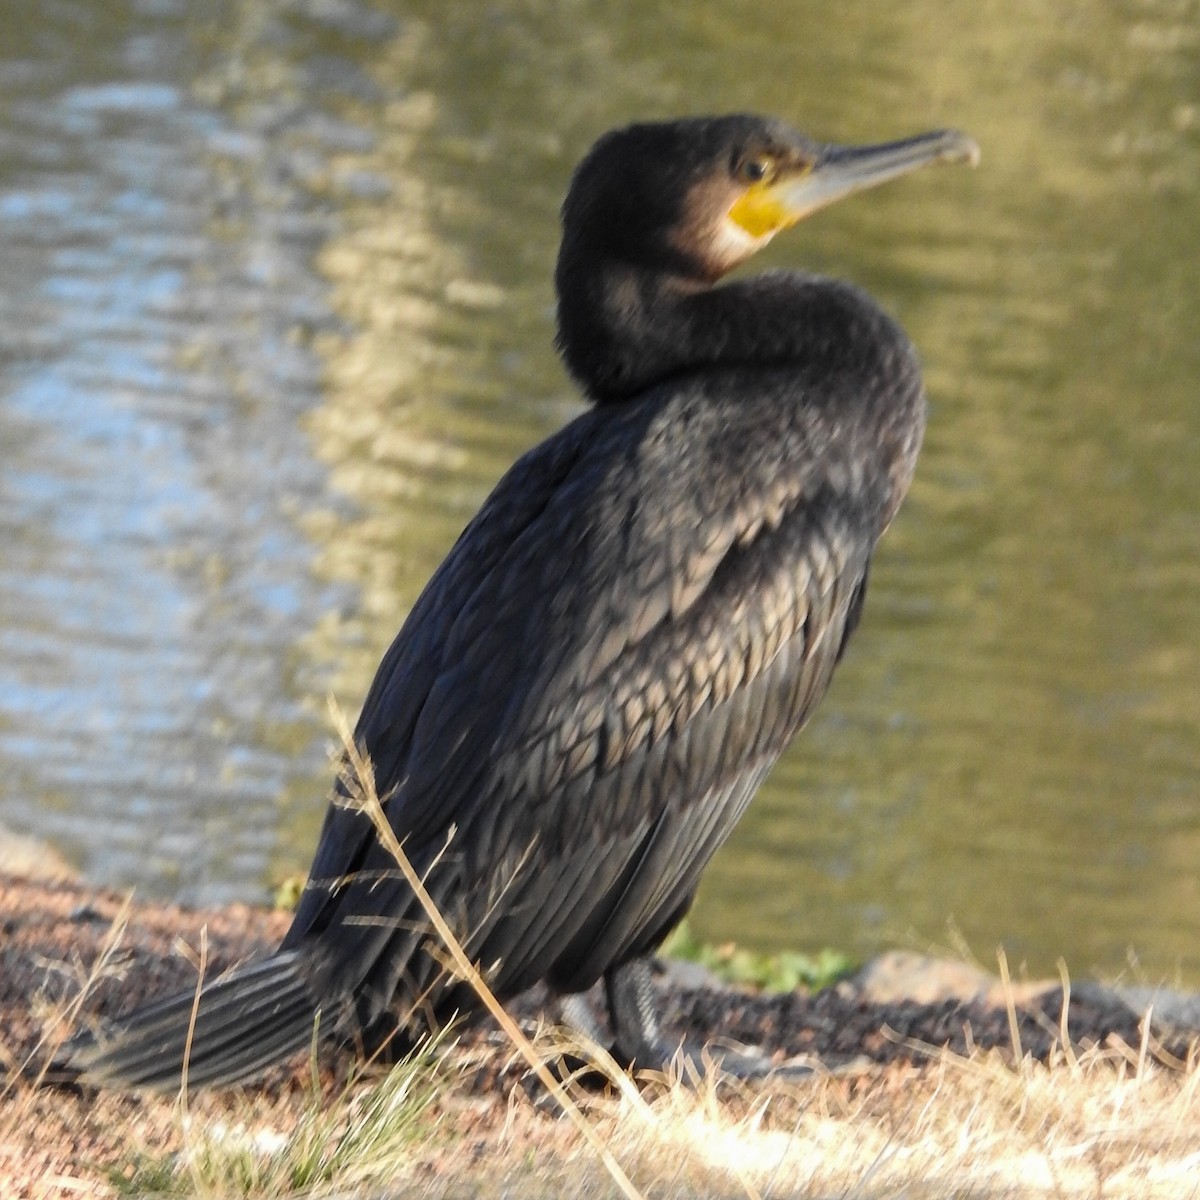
(628, 634)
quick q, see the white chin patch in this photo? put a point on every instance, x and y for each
(735, 244)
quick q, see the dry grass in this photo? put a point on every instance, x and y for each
(977, 1128)
(957, 1128)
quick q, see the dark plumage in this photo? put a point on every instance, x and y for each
(624, 639)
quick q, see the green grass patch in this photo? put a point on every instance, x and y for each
(365, 1135)
(781, 971)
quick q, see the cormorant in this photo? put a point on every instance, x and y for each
(627, 635)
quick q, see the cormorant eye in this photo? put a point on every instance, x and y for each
(758, 168)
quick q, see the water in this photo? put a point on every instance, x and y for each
(275, 313)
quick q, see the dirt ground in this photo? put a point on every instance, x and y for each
(897, 1011)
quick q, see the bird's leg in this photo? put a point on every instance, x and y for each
(638, 1039)
(577, 1014)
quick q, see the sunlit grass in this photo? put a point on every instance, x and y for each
(1110, 1123)
(364, 1135)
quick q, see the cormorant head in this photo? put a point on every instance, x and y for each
(693, 198)
(657, 213)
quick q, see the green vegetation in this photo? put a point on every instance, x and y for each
(364, 1135)
(779, 972)
(286, 893)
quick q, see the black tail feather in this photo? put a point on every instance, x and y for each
(244, 1022)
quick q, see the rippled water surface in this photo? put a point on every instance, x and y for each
(275, 313)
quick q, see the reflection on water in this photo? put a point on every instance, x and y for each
(276, 313)
(156, 303)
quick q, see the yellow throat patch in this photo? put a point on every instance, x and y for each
(760, 211)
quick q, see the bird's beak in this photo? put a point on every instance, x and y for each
(836, 171)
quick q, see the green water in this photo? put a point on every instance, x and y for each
(278, 314)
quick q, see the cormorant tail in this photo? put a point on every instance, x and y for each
(243, 1023)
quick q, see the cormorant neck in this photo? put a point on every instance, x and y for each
(622, 329)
